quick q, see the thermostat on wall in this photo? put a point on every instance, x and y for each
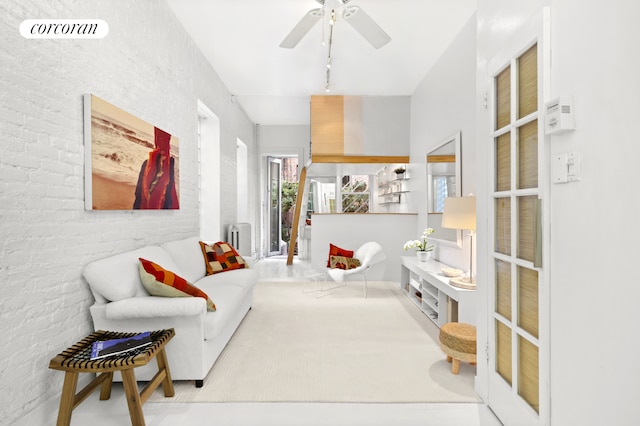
(559, 115)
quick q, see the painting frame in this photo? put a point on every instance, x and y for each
(130, 164)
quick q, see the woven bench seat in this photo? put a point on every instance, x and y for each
(458, 341)
(76, 360)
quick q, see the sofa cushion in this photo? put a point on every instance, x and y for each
(244, 278)
(118, 277)
(187, 255)
(228, 298)
(221, 257)
(162, 282)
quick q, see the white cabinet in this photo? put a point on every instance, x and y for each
(431, 292)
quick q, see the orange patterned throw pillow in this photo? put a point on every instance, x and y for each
(160, 282)
(342, 262)
(221, 257)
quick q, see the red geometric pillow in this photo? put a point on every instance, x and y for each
(221, 257)
(161, 282)
(337, 251)
(342, 262)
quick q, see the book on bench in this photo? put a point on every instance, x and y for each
(105, 348)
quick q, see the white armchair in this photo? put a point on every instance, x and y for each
(369, 254)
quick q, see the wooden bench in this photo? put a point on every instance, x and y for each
(76, 359)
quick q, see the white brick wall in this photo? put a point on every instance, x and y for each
(147, 66)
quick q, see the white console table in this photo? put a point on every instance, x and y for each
(439, 300)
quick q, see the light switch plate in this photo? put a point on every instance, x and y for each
(566, 167)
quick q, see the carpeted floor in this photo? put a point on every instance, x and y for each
(333, 346)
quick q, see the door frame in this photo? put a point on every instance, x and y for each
(264, 181)
(273, 160)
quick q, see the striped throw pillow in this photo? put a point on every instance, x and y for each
(161, 282)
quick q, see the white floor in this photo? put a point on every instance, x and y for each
(114, 411)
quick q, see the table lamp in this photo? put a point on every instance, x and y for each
(460, 213)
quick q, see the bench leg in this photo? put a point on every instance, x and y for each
(105, 390)
(67, 399)
(167, 383)
(133, 397)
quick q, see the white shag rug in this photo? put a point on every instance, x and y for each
(333, 346)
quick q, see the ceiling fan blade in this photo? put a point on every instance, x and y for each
(367, 27)
(302, 28)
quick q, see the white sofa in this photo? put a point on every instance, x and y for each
(123, 304)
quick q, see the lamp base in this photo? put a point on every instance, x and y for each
(463, 282)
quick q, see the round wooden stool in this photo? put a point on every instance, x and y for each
(458, 341)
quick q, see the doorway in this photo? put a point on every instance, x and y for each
(282, 189)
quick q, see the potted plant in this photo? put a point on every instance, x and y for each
(399, 172)
(422, 246)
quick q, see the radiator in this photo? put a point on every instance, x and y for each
(239, 236)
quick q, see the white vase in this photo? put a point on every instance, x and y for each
(423, 256)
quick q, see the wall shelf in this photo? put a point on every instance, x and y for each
(390, 192)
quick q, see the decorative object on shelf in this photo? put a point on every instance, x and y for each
(460, 213)
(451, 272)
(400, 172)
(423, 256)
(422, 245)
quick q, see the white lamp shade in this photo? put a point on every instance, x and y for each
(459, 213)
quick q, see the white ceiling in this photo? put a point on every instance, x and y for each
(241, 38)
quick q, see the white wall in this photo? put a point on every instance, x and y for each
(442, 104)
(350, 231)
(148, 66)
(385, 125)
(593, 241)
(594, 238)
(285, 140)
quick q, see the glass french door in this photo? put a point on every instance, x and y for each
(275, 205)
(518, 312)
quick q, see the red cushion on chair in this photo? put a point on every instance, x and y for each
(337, 251)
(342, 262)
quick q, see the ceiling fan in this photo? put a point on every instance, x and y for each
(354, 15)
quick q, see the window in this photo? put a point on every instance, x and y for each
(355, 194)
